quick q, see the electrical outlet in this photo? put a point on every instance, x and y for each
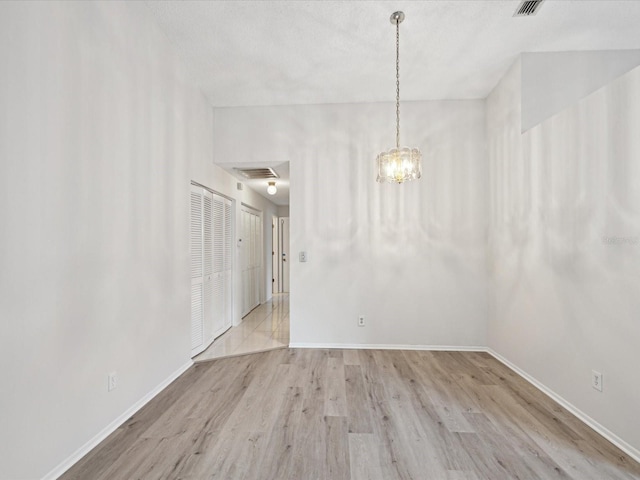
(361, 320)
(112, 381)
(596, 380)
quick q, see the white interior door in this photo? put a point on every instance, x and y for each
(285, 258)
(251, 258)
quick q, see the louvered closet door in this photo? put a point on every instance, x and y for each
(228, 264)
(218, 323)
(211, 267)
(209, 280)
(197, 271)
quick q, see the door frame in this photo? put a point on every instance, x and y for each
(275, 255)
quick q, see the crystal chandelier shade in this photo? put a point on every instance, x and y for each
(399, 165)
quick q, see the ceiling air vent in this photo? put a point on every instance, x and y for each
(253, 173)
(528, 8)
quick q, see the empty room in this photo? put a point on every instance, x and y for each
(320, 240)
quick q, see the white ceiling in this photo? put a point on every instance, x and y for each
(311, 52)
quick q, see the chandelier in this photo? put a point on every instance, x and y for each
(399, 165)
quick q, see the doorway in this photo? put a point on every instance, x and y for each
(251, 258)
(275, 265)
(281, 255)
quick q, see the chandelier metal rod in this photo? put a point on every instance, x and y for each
(398, 85)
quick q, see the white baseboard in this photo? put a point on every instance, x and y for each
(383, 346)
(606, 433)
(109, 429)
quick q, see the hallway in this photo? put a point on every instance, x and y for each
(266, 327)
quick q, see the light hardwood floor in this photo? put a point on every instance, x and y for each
(348, 414)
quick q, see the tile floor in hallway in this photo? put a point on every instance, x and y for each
(266, 327)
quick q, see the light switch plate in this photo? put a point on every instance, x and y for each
(596, 380)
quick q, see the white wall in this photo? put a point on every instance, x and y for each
(565, 247)
(553, 81)
(412, 257)
(100, 136)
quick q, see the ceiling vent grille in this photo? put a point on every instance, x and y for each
(257, 173)
(528, 8)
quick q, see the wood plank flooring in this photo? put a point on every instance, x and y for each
(362, 415)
